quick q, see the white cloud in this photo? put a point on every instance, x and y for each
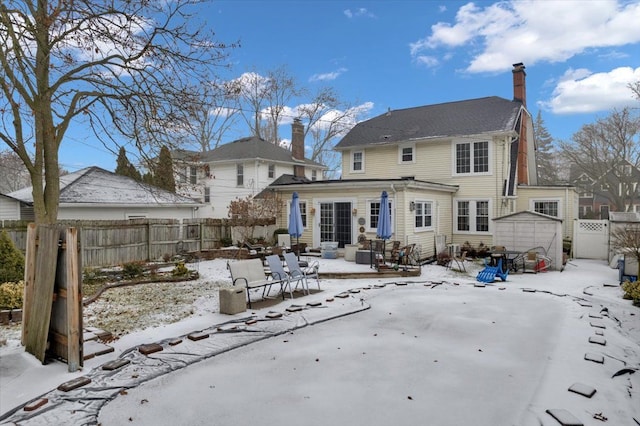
(580, 91)
(327, 76)
(429, 61)
(361, 12)
(533, 31)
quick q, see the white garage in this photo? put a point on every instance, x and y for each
(526, 230)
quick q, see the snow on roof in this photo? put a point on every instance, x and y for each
(94, 185)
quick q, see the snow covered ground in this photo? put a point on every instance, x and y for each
(433, 349)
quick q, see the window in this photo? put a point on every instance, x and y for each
(357, 161)
(207, 194)
(604, 211)
(423, 214)
(303, 213)
(472, 157)
(193, 175)
(472, 216)
(374, 213)
(548, 207)
(272, 171)
(405, 154)
(314, 174)
(239, 175)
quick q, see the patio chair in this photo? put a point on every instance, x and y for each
(458, 261)
(489, 273)
(296, 271)
(278, 273)
(250, 274)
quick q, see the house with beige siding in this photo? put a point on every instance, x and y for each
(449, 170)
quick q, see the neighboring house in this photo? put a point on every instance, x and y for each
(97, 194)
(449, 169)
(599, 192)
(240, 169)
(14, 209)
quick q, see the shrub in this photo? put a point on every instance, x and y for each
(226, 241)
(132, 269)
(632, 291)
(180, 270)
(11, 260)
(443, 258)
(11, 295)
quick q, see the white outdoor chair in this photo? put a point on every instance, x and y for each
(278, 273)
(295, 270)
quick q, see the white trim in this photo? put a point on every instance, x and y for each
(411, 145)
(472, 216)
(533, 201)
(368, 202)
(456, 142)
(351, 161)
(433, 216)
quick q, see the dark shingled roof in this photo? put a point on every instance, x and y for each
(243, 149)
(468, 117)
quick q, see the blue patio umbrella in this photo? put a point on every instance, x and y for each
(384, 221)
(295, 221)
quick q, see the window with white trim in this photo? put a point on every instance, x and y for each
(357, 161)
(423, 215)
(548, 207)
(373, 213)
(472, 216)
(272, 171)
(314, 175)
(471, 157)
(193, 175)
(207, 194)
(303, 211)
(406, 154)
(239, 174)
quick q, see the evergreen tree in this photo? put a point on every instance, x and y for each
(11, 260)
(546, 153)
(124, 166)
(163, 173)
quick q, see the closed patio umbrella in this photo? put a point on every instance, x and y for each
(295, 221)
(384, 221)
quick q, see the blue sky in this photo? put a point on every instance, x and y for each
(579, 55)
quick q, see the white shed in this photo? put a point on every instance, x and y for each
(526, 230)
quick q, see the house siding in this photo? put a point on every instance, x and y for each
(121, 212)
(9, 208)
(568, 201)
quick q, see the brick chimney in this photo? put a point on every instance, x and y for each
(520, 95)
(297, 146)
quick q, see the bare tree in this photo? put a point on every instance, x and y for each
(635, 89)
(627, 240)
(262, 100)
(13, 173)
(120, 67)
(211, 114)
(328, 118)
(603, 151)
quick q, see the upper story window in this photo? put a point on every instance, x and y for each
(406, 154)
(423, 215)
(193, 175)
(314, 175)
(472, 216)
(207, 194)
(303, 213)
(548, 207)
(357, 161)
(272, 171)
(472, 157)
(239, 174)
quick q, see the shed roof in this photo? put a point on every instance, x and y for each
(529, 213)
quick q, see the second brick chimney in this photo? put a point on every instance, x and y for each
(520, 95)
(297, 146)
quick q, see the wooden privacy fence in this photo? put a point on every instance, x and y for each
(114, 242)
(52, 308)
